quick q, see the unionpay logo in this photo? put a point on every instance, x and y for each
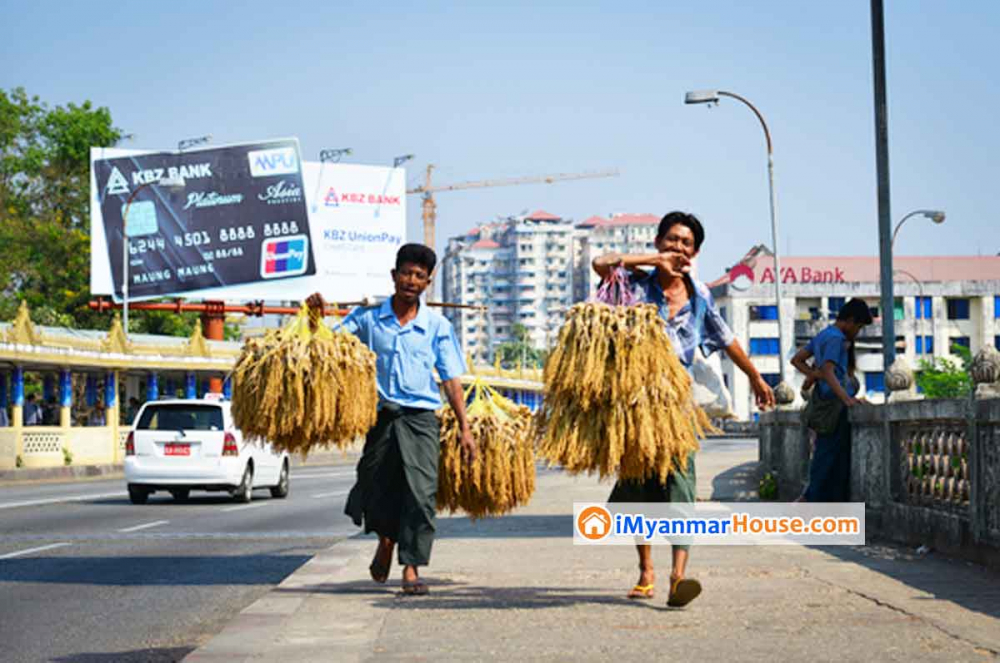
(284, 256)
(594, 523)
(277, 161)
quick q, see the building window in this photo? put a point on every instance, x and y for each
(958, 340)
(898, 313)
(875, 383)
(772, 379)
(925, 345)
(923, 308)
(958, 309)
(996, 306)
(769, 312)
(764, 346)
(834, 304)
(996, 342)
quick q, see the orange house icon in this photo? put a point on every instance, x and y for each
(594, 523)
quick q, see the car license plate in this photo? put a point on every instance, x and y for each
(175, 449)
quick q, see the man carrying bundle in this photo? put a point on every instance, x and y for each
(692, 321)
(397, 476)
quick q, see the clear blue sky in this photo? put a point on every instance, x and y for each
(493, 90)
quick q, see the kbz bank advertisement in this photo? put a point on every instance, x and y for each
(243, 222)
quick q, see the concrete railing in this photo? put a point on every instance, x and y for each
(928, 471)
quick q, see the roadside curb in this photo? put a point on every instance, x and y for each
(268, 623)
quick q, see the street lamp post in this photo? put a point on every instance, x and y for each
(334, 156)
(193, 142)
(936, 216)
(166, 182)
(917, 327)
(712, 97)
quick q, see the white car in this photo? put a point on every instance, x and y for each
(184, 445)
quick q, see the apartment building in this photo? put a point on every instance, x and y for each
(620, 233)
(521, 267)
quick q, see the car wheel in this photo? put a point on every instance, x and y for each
(181, 494)
(281, 490)
(244, 492)
(137, 494)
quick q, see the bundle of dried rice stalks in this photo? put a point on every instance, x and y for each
(503, 475)
(301, 389)
(617, 398)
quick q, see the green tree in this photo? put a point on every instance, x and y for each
(943, 377)
(45, 206)
(520, 350)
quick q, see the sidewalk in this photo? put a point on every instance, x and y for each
(516, 588)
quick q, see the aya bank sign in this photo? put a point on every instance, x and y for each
(743, 276)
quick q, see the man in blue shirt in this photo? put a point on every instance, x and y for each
(692, 322)
(832, 371)
(397, 476)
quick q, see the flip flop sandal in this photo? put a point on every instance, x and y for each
(641, 592)
(379, 572)
(683, 591)
(415, 589)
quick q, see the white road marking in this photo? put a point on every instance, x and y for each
(56, 500)
(19, 553)
(323, 475)
(246, 506)
(337, 493)
(136, 528)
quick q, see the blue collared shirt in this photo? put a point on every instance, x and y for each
(405, 356)
(697, 325)
(831, 345)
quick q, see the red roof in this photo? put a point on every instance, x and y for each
(473, 233)
(485, 244)
(620, 220)
(542, 215)
(592, 221)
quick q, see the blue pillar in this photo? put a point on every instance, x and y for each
(227, 389)
(202, 388)
(109, 389)
(17, 387)
(152, 387)
(91, 391)
(190, 385)
(48, 387)
(3, 390)
(65, 388)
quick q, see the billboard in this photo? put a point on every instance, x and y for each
(252, 222)
(233, 215)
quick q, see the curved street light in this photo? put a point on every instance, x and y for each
(400, 160)
(712, 97)
(936, 216)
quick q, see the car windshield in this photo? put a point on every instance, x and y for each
(180, 416)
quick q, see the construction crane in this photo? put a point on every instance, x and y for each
(428, 190)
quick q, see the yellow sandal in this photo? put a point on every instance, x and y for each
(641, 592)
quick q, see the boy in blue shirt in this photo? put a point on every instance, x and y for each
(397, 476)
